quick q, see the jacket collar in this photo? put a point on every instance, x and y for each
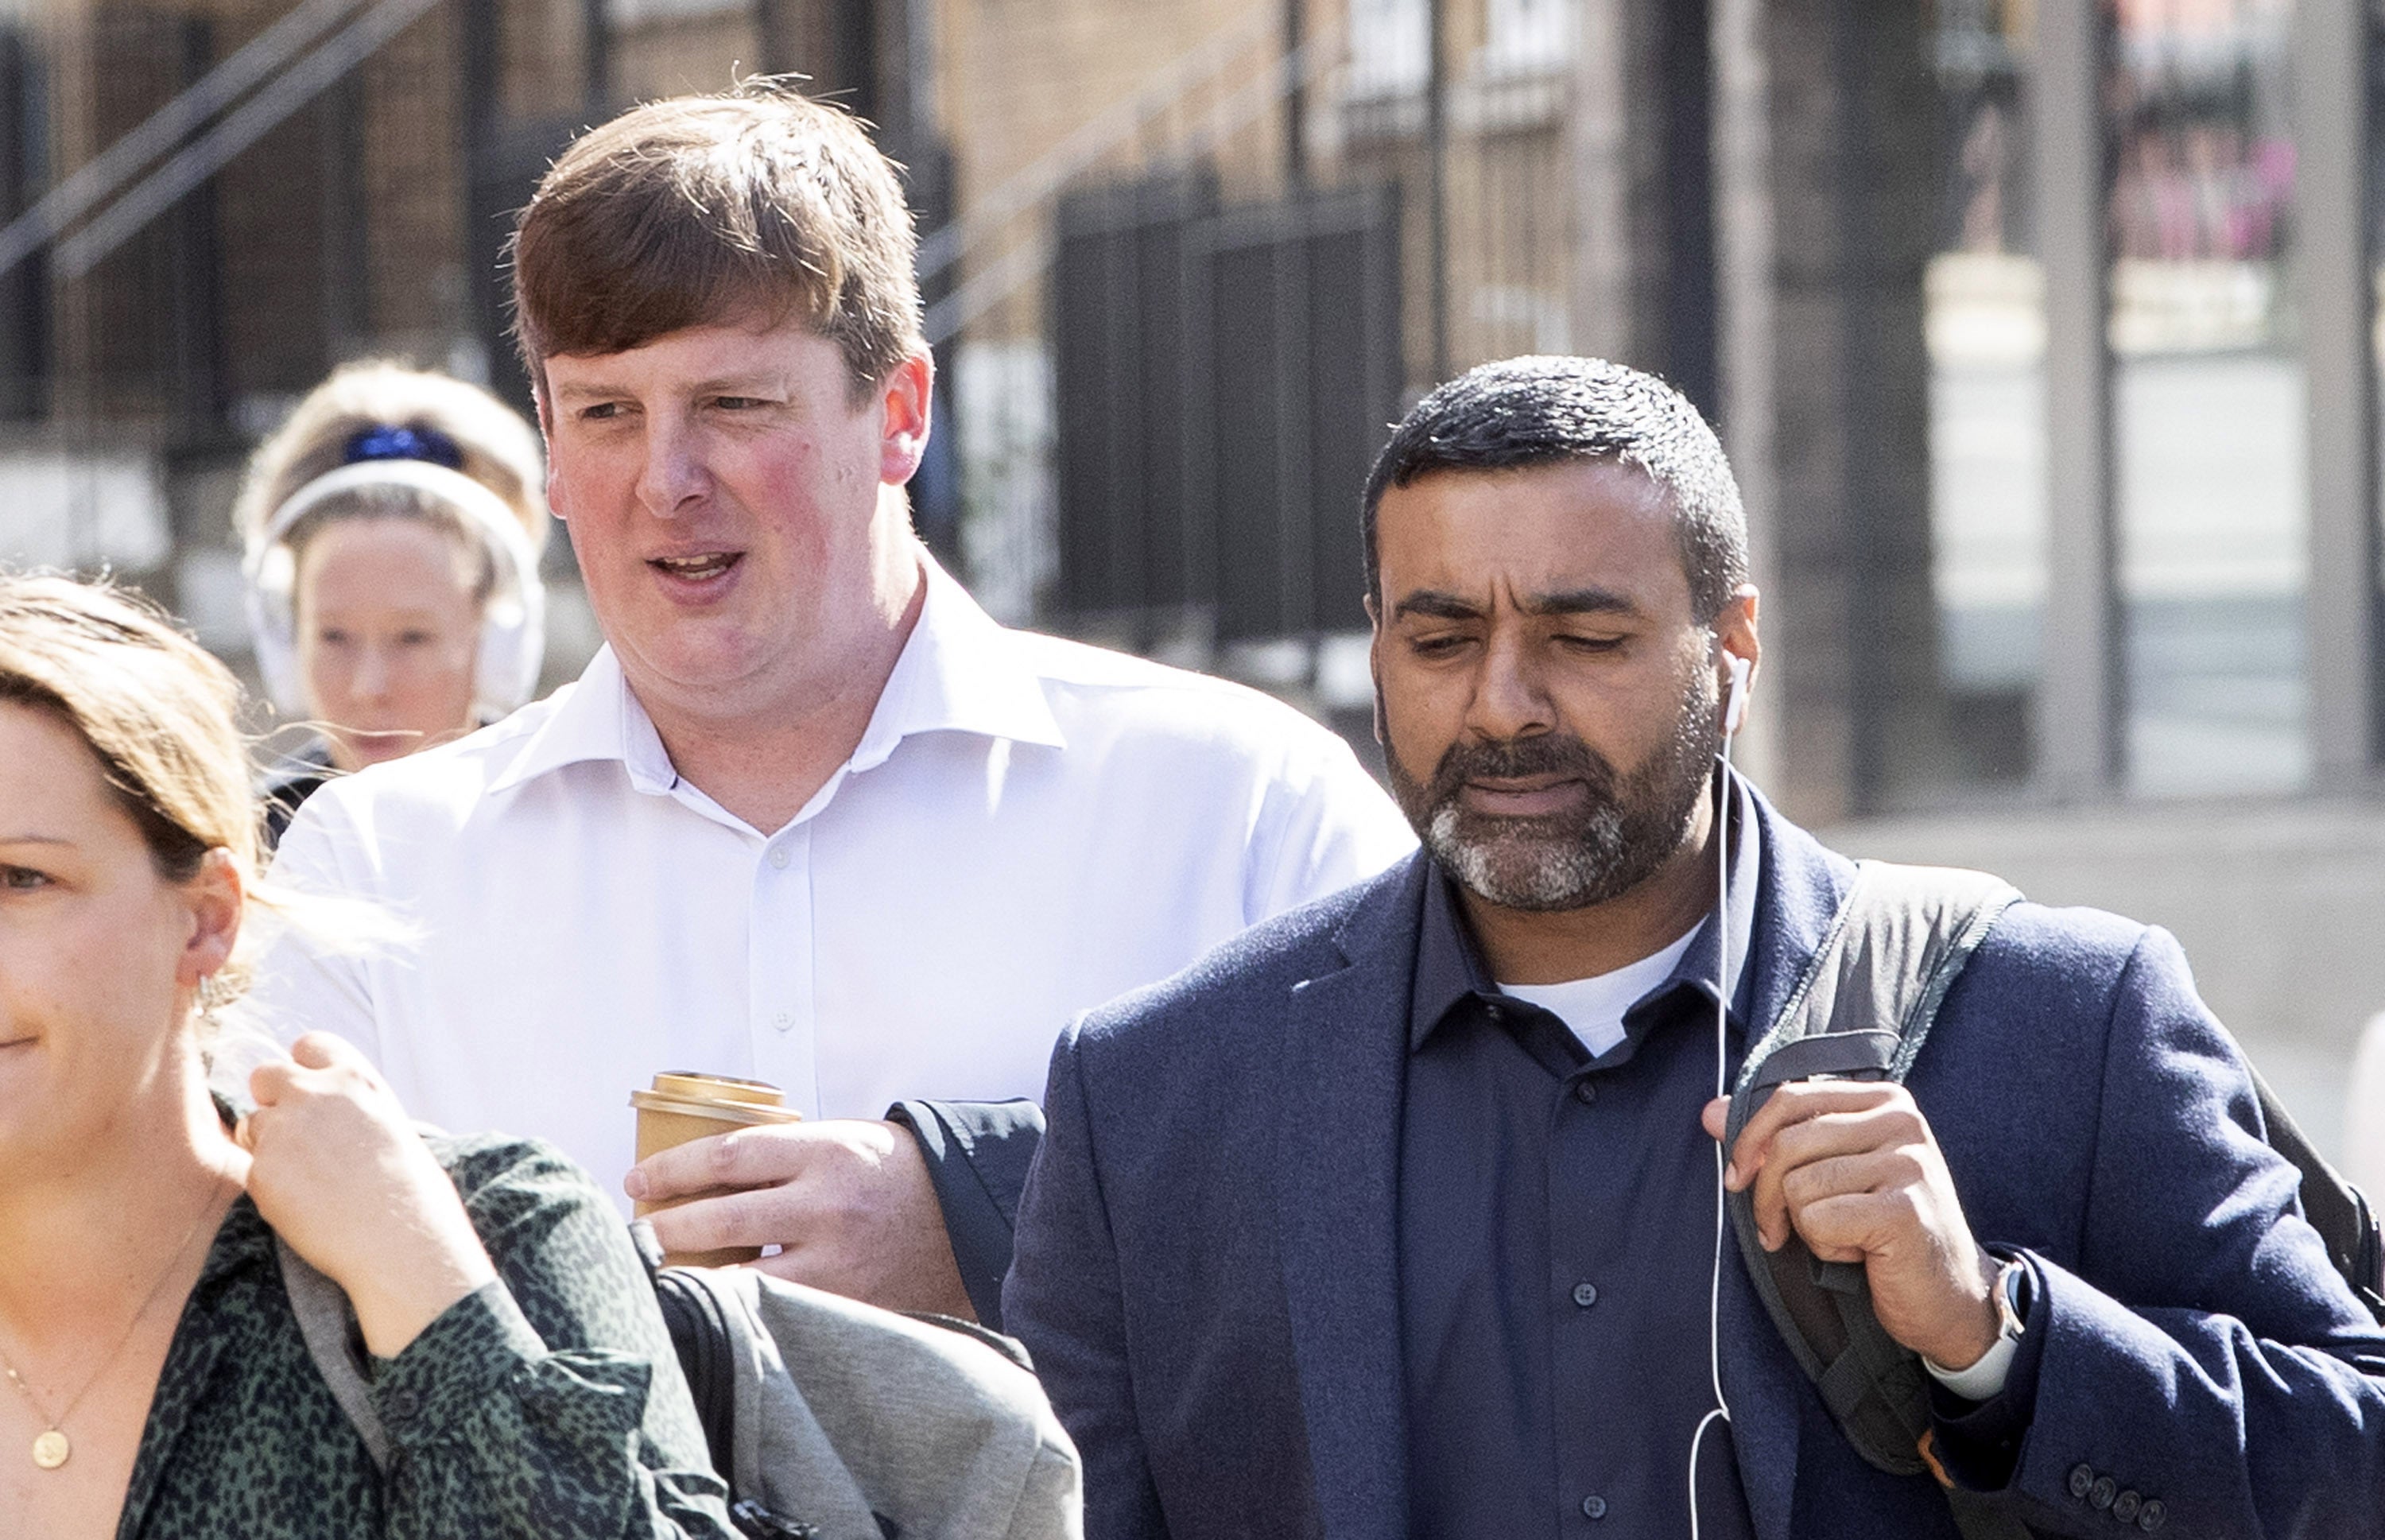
(958, 672)
(1798, 893)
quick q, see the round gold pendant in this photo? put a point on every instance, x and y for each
(51, 1449)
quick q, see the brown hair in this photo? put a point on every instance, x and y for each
(704, 209)
(158, 712)
(500, 450)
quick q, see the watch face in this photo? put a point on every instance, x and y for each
(2012, 1295)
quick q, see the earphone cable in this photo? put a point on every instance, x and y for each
(1722, 1087)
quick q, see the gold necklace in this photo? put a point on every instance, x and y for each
(51, 1445)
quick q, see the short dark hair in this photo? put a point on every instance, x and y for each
(701, 209)
(1524, 412)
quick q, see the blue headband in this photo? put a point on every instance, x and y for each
(404, 444)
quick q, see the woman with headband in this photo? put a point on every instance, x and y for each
(392, 528)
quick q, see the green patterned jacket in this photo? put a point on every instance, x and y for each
(548, 1404)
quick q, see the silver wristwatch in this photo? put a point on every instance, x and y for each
(1984, 1381)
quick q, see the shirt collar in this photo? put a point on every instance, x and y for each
(595, 718)
(958, 672)
(242, 1240)
(1450, 966)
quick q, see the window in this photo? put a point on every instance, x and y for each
(1985, 326)
(1390, 48)
(2208, 398)
(1528, 37)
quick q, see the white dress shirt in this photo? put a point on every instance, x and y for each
(1029, 827)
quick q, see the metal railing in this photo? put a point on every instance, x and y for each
(274, 87)
(1100, 139)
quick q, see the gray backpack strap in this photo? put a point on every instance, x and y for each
(329, 1326)
(1861, 1010)
(2336, 1208)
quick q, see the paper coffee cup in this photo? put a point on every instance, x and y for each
(684, 1106)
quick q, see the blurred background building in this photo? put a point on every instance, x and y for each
(2044, 335)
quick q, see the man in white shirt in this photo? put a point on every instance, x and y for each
(810, 816)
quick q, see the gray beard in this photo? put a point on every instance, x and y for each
(1517, 872)
(1633, 825)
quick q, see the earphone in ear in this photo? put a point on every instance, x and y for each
(1734, 711)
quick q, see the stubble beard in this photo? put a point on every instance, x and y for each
(1624, 831)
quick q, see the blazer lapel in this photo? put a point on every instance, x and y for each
(1764, 1387)
(1799, 892)
(1342, 1067)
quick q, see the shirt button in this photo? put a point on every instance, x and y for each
(778, 858)
(2149, 1517)
(402, 1405)
(1593, 1507)
(1584, 1092)
(2100, 1495)
(2082, 1479)
(785, 1021)
(1585, 1295)
(2125, 1506)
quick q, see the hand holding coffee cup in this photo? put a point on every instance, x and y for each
(684, 1107)
(848, 1201)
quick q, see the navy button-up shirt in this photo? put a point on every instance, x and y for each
(1557, 1248)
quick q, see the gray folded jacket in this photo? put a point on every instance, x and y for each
(861, 1422)
(844, 1421)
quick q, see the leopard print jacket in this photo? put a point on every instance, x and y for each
(549, 1404)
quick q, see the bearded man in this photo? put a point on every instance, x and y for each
(1402, 1214)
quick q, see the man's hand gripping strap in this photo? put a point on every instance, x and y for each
(1861, 1010)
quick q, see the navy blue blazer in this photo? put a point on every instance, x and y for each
(1206, 1264)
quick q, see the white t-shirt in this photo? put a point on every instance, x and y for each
(1029, 827)
(1592, 1009)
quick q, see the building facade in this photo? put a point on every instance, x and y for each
(2044, 333)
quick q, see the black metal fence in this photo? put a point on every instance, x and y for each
(1224, 377)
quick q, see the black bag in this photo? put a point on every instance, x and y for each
(1862, 1011)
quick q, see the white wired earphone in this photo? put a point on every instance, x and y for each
(1734, 715)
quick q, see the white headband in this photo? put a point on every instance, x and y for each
(513, 621)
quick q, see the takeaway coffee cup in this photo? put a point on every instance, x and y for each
(684, 1106)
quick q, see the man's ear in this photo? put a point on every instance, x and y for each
(1738, 648)
(217, 900)
(1735, 627)
(545, 409)
(1375, 669)
(906, 398)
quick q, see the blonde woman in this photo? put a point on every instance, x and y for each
(156, 1384)
(392, 528)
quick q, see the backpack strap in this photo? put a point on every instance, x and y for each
(1861, 1010)
(2334, 1206)
(328, 1325)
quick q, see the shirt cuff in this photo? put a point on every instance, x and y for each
(1984, 1381)
(978, 1154)
(454, 1365)
(1979, 1440)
